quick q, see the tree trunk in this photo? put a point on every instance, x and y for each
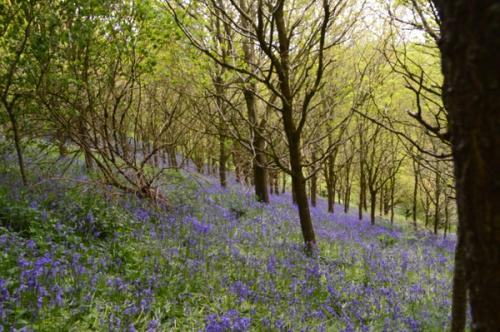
(314, 188)
(260, 172)
(437, 205)
(222, 161)
(469, 48)
(299, 189)
(446, 214)
(459, 297)
(347, 198)
(427, 210)
(381, 201)
(360, 204)
(276, 183)
(259, 160)
(17, 145)
(283, 188)
(172, 157)
(393, 189)
(415, 195)
(331, 198)
(373, 205)
(347, 192)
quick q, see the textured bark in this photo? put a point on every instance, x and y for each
(299, 189)
(469, 49)
(259, 161)
(459, 297)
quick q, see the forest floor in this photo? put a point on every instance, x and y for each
(77, 256)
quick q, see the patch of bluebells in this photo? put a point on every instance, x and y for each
(228, 321)
(216, 261)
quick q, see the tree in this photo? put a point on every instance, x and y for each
(292, 71)
(17, 29)
(471, 94)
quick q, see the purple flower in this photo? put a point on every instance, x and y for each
(153, 325)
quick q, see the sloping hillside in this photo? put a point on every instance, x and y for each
(83, 257)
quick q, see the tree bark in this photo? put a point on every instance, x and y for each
(259, 160)
(459, 297)
(415, 194)
(373, 205)
(314, 186)
(393, 189)
(437, 205)
(222, 161)
(299, 189)
(17, 145)
(469, 49)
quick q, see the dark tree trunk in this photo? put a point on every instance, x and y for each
(259, 160)
(283, 188)
(299, 188)
(237, 166)
(17, 145)
(331, 198)
(415, 195)
(373, 206)
(330, 178)
(446, 214)
(360, 204)
(347, 192)
(427, 210)
(223, 157)
(469, 48)
(459, 297)
(393, 189)
(437, 205)
(381, 201)
(222, 161)
(314, 188)
(276, 183)
(260, 172)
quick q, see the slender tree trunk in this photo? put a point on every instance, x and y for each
(437, 205)
(277, 183)
(415, 195)
(259, 160)
(17, 145)
(393, 189)
(222, 161)
(347, 192)
(427, 210)
(446, 215)
(347, 198)
(314, 184)
(283, 188)
(381, 201)
(219, 88)
(373, 205)
(360, 204)
(331, 199)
